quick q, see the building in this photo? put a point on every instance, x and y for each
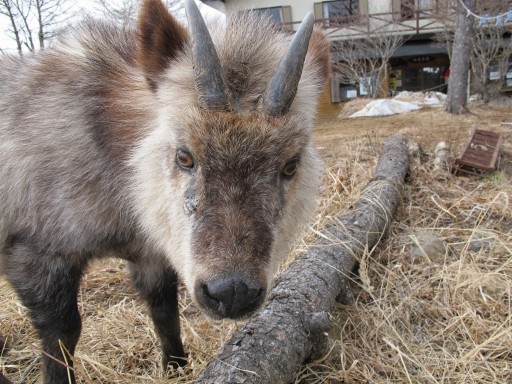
(419, 64)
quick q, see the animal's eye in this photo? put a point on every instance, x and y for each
(184, 159)
(290, 167)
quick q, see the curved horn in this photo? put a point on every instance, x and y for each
(282, 88)
(207, 70)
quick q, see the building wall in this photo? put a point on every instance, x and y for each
(382, 23)
(299, 8)
(379, 6)
(326, 109)
(377, 16)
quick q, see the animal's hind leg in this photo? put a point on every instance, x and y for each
(48, 286)
(158, 285)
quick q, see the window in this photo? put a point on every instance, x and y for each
(408, 8)
(337, 13)
(273, 13)
(279, 15)
(426, 4)
(342, 8)
(422, 78)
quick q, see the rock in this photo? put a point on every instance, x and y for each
(424, 246)
(416, 152)
(442, 156)
(478, 241)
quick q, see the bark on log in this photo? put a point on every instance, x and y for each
(292, 327)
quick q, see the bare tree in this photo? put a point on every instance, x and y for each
(50, 16)
(9, 10)
(365, 60)
(447, 17)
(457, 99)
(124, 12)
(491, 49)
(34, 17)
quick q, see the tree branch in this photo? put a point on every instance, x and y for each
(7, 10)
(364, 60)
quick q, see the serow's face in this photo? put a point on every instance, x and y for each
(242, 170)
(237, 177)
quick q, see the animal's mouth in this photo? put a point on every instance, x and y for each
(230, 297)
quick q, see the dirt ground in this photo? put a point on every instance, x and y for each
(428, 126)
(440, 317)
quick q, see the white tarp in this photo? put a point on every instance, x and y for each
(385, 107)
(403, 102)
(422, 98)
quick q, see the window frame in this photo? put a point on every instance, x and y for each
(340, 20)
(410, 9)
(285, 14)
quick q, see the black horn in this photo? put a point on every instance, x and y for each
(207, 70)
(282, 88)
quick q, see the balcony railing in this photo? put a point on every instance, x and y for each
(404, 22)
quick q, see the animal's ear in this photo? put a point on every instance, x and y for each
(161, 38)
(320, 51)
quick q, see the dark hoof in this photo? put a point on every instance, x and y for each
(173, 364)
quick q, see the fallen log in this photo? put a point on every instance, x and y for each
(291, 328)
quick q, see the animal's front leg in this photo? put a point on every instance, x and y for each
(4, 380)
(158, 285)
(47, 286)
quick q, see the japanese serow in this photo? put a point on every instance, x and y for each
(186, 152)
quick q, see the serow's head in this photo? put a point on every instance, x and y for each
(239, 179)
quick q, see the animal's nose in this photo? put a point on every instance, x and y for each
(231, 297)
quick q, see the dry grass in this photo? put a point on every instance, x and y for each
(440, 318)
